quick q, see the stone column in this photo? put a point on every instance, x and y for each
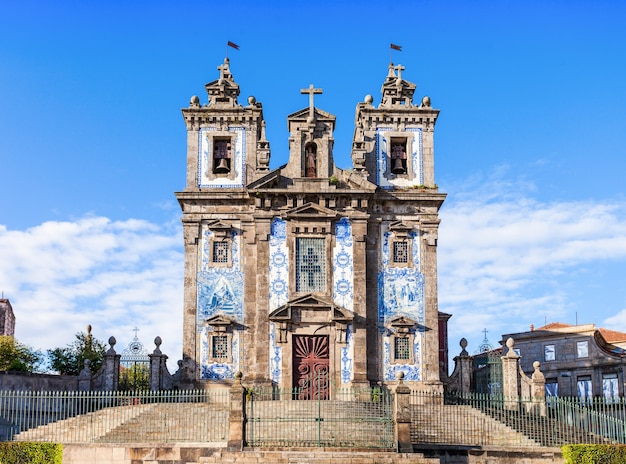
(510, 377)
(402, 416)
(236, 418)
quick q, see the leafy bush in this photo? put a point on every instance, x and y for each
(30, 453)
(594, 454)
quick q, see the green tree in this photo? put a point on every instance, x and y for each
(70, 360)
(15, 356)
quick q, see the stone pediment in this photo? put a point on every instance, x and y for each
(311, 211)
(303, 114)
(313, 309)
(219, 321)
(400, 228)
(402, 322)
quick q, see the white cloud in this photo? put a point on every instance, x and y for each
(114, 275)
(507, 260)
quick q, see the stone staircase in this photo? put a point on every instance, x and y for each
(145, 423)
(462, 425)
(328, 423)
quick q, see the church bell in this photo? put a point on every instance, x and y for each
(222, 167)
(398, 168)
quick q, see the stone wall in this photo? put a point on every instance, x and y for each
(176, 454)
(24, 381)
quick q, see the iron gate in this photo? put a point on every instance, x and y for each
(354, 418)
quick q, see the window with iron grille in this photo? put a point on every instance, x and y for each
(400, 252)
(220, 252)
(310, 265)
(401, 348)
(220, 346)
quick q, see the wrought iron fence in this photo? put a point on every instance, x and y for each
(344, 418)
(481, 419)
(115, 417)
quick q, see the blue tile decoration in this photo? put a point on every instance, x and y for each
(275, 356)
(400, 293)
(343, 288)
(417, 157)
(220, 292)
(278, 287)
(238, 162)
(343, 268)
(347, 356)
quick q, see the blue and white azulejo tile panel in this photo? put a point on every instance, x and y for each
(400, 293)
(279, 265)
(205, 158)
(278, 293)
(220, 292)
(382, 156)
(343, 288)
(343, 268)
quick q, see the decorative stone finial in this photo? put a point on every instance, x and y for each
(511, 352)
(400, 378)
(463, 344)
(251, 100)
(426, 102)
(238, 377)
(88, 329)
(158, 341)
(195, 101)
(368, 99)
(112, 341)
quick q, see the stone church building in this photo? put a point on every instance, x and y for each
(309, 275)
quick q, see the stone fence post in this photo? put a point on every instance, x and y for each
(538, 390)
(111, 368)
(236, 418)
(461, 379)
(157, 366)
(85, 377)
(402, 415)
(510, 380)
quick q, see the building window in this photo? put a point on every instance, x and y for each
(219, 349)
(401, 252)
(310, 265)
(552, 387)
(548, 353)
(610, 388)
(584, 388)
(220, 252)
(401, 349)
(582, 349)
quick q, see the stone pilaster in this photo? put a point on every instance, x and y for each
(236, 417)
(402, 416)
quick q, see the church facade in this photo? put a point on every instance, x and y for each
(309, 275)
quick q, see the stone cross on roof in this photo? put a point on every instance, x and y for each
(311, 91)
(399, 68)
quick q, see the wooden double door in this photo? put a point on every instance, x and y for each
(311, 367)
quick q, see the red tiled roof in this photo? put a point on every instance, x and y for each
(613, 336)
(554, 325)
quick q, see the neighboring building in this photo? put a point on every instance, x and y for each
(577, 360)
(7, 318)
(309, 270)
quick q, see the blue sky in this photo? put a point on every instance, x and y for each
(530, 147)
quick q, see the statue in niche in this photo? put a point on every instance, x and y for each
(310, 160)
